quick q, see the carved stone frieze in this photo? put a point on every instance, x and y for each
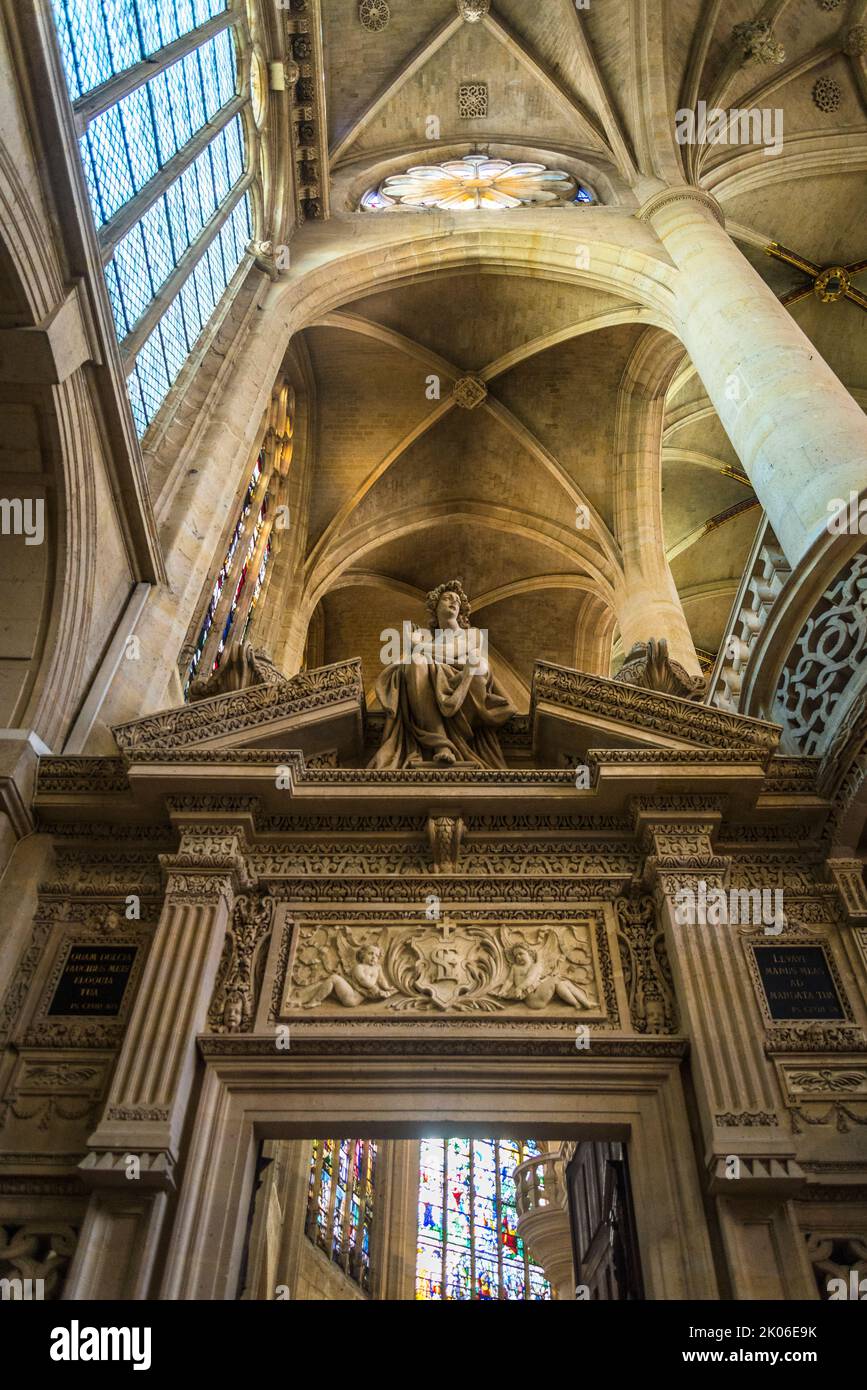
(347, 891)
(211, 862)
(841, 1116)
(445, 966)
(239, 977)
(848, 875)
(105, 873)
(76, 1033)
(838, 1080)
(65, 776)
(199, 889)
(747, 1119)
(478, 856)
(45, 1110)
(139, 1114)
(354, 1045)
(83, 1078)
(815, 1037)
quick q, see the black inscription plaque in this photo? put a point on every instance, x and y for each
(93, 981)
(797, 982)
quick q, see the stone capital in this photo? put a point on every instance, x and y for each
(211, 860)
(668, 197)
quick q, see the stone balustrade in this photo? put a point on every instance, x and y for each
(763, 577)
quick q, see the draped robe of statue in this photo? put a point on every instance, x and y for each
(442, 711)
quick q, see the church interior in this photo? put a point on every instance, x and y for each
(433, 650)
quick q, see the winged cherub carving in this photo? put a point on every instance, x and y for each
(540, 972)
(352, 974)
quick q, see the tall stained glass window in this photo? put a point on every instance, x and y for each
(468, 1242)
(224, 573)
(340, 1203)
(166, 167)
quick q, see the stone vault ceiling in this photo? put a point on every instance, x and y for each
(408, 489)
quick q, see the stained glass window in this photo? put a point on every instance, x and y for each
(203, 214)
(225, 569)
(474, 183)
(260, 580)
(243, 576)
(468, 1242)
(340, 1197)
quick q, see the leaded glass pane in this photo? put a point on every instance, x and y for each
(152, 374)
(145, 258)
(209, 280)
(468, 1243)
(124, 148)
(127, 145)
(100, 38)
(340, 1196)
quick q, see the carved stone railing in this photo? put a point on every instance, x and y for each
(543, 1219)
(764, 575)
(796, 653)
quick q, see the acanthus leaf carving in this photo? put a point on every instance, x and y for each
(239, 976)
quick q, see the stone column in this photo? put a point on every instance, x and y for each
(800, 435)
(396, 1228)
(748, 1156)
(135, 1148)
(648, 604)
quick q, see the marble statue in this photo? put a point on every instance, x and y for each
(442, 704)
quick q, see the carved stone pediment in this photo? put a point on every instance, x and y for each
(311, 711)
(572, 712)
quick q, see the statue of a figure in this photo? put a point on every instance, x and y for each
(442, 704)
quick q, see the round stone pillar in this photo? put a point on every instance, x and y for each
(800, 435)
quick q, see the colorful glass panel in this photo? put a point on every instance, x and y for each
(225, 569)
(468, 1242)
(340, 1199)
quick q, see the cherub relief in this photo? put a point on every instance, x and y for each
(537, 973)
(360, 977)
